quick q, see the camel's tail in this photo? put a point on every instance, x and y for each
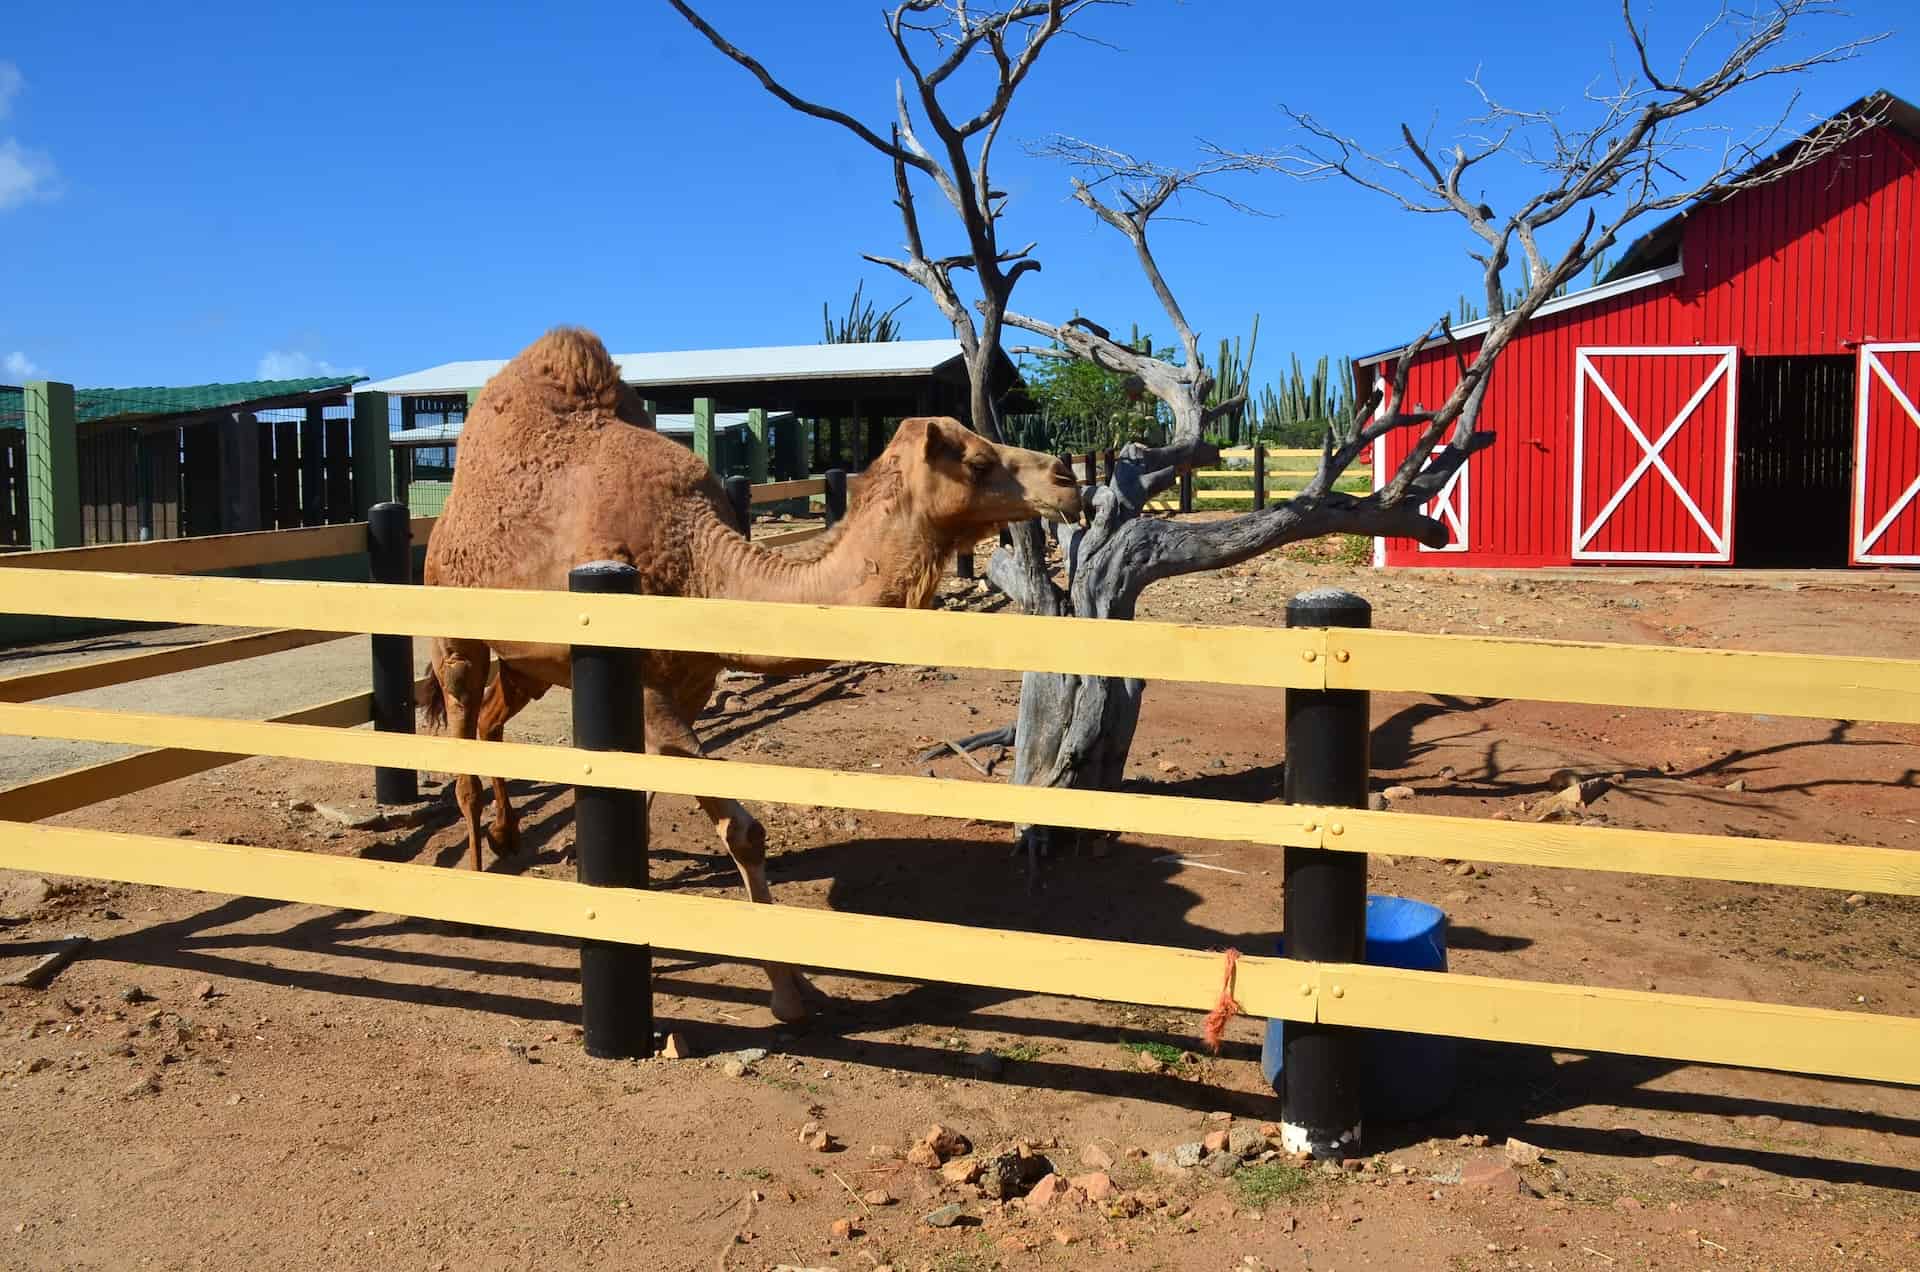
(431, 699)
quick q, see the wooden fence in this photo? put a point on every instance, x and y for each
(1773, 1036)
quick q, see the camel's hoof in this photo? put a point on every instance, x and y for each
(505, 839)
(793, 1000)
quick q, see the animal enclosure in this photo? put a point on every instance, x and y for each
(1784, 1037)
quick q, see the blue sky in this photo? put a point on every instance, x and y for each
(219, 191)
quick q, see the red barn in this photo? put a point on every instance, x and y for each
(1740, 390)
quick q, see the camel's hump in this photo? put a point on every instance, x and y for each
(573, 363)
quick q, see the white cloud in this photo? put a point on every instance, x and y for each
(18, 366)
(24, 174)
(293, 365)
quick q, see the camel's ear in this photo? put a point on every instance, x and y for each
(934, 440)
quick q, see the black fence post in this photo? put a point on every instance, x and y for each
(1093, 474)
(1328, 762)
(610, 829)
(1259, 475)
(740, 495)
(1186, 490)
(1107, 464)
(836, 479)
(390, 560)
(963, 563)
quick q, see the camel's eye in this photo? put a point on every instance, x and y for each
(979, 465)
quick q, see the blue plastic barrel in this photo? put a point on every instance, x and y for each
(1408, 1076)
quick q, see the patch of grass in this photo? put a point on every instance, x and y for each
(1024, 1051)
(755, 1172)
(1165, 1053)
(1275, 1181)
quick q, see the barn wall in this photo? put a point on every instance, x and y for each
(1824, 257)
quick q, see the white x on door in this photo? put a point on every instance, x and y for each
(1450, 508)
(1886, 456)
(1653, 453)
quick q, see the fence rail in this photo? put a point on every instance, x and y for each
(1850, 1044)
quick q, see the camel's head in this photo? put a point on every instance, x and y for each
(963, 480)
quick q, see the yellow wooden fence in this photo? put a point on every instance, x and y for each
(1786, 1037)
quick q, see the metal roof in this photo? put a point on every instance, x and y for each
(705, 366)
(95, 406)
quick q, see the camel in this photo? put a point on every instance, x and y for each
(556, 468)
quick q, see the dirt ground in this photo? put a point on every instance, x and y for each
(228, 1083)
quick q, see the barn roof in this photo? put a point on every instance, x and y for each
(668, 422)
(1661, 244)
(707, 366)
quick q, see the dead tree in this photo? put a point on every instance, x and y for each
(956, 159)
(1599, 172)
(1602, 173)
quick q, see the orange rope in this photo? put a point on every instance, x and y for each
(1224, 1010)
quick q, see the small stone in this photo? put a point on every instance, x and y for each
(518, 1050)
(1168, 766)
(38, 1063)
(1147, 1062)
(961, 1170)
(1628, 1204)
(1737, 785)
(946, 1216)
(205, 990)
(1521, 1153)
(1188, 1154)
(808, 1131)
(135, 994)
(1013, 1243)
(1855, 900)
(1062, 1236)
(1044, 1193)
(877, 1197)
(1244, 1139)
(1012, 1173)
(1667, 1159)
(820, 1142)
(842, 1229)
(1215, 1142)
(946, 1143)
(1398, 792)
(1220, 1116)
(676, 1047)
(1497, 1177)
(233, 1101)
(1098, 1186)
(1464, 870)
(1221, 1165)
(1097, 1157)
(923, 1156)
(734, 1069)
(1376, 802)
(751, 1055)
(147, 1085)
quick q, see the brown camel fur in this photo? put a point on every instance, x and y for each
(551, 473)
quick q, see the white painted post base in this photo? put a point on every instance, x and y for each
(1295, 1138)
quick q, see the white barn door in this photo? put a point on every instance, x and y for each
(1886, 456)
(1653, 453)
(1450, 508)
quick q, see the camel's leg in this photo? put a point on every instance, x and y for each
(461, 666)
(507, 693)
(669, 733)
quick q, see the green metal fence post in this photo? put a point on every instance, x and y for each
(53, 466)
(703, 440)
(372, 454)
(757, 456)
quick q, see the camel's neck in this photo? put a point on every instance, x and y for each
(883, 555)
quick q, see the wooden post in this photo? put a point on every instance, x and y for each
(740, 495)
(53, 466)
(1259, 475)
(1324, 892)
(1107, 464)
(834, 458)
(757, 454)
(1186, 490)
(372, 453)
(238, 446)
(652, 411)
(313, 472)
(836, 480)
(390, 560)
(610, 830)
(703, 439)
